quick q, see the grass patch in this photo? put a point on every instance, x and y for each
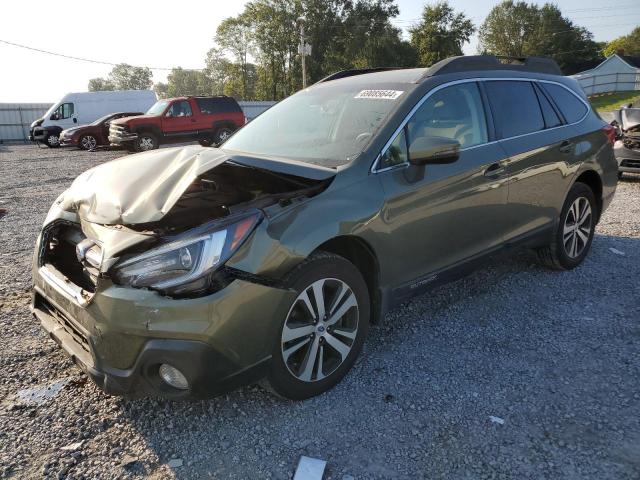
(611, 101)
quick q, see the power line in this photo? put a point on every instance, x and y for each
(83, 59)
(102, 62)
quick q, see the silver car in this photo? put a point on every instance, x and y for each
(627, 145)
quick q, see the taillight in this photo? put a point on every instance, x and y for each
(610, 132)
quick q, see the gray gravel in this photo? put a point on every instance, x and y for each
(553, 355)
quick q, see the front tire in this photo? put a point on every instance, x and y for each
(321, 336)
(146, 141)
(52, 140)
(574, 233)
(88, 142)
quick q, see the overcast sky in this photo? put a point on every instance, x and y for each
(145, 33)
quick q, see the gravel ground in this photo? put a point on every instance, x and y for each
(553, 356)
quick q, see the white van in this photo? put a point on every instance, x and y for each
(76, 109)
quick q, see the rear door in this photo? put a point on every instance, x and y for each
(540, 149)
(179, 119)
(437, 216)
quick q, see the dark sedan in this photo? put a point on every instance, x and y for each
(94, 135)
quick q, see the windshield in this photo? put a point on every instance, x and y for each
(327, 125)
(101, 119)
(157, 108)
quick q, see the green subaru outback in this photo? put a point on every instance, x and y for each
(187, 272)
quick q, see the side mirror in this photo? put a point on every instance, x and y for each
(434, 150)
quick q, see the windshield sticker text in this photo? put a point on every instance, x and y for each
(380, 94)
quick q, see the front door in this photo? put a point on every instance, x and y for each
(179, 119)
(437, 216)
(65, 116)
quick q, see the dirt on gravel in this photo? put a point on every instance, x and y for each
(512, 372)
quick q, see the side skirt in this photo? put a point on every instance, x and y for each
(418, 286)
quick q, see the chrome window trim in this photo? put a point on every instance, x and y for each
(469, 80)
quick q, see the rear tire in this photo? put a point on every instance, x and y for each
(318, 343)
(146, 141)
(52, 140)
(575, 230)
(222, 134)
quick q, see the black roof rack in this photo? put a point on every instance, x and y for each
(353, 72)
(490, 62)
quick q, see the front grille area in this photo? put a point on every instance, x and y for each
(58, 249)
(68, 325)
(630, 163)
(117, 130)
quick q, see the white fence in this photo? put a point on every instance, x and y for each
(16, 118)
(608, 82)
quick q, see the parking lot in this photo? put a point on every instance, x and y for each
(512, 372)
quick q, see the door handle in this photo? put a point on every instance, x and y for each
(566, 147)
(494, 170)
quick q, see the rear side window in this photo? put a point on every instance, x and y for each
(218, 105)
(515, 108)
(570, 106)
(551, 118)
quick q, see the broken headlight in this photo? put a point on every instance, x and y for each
(183, 265)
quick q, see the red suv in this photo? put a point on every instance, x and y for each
(209, 120)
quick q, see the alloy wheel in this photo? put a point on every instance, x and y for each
(88, 142)
(577, 227)
(223, 135)
(53, 140)
(146, 143)
(320, 330)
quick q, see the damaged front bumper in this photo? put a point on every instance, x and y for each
(122, 336)
(628, 158)
(119, 135)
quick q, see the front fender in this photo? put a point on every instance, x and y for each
(286, 239)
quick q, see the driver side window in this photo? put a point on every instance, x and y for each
(179, 109)
(65, 110)
(455, 112)
(396, 153)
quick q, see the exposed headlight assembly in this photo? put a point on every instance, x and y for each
(184, 265)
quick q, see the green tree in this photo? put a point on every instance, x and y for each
(440, 34)
(181, 82)
(521, 29)
(100, 84)
(124, 77)
(626, 45)
(234, 36)
(508, 29)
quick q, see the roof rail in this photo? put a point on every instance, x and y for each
(353, 72)
(490, 62)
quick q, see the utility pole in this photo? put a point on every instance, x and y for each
(304, 49)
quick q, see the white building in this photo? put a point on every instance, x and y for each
(615, 74)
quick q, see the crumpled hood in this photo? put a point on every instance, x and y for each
(142, 188)
(138, 188)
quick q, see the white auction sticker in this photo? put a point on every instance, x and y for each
(380, 94)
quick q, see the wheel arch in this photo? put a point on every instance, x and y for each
(592, 179)
(361, 254)
(150, 128)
